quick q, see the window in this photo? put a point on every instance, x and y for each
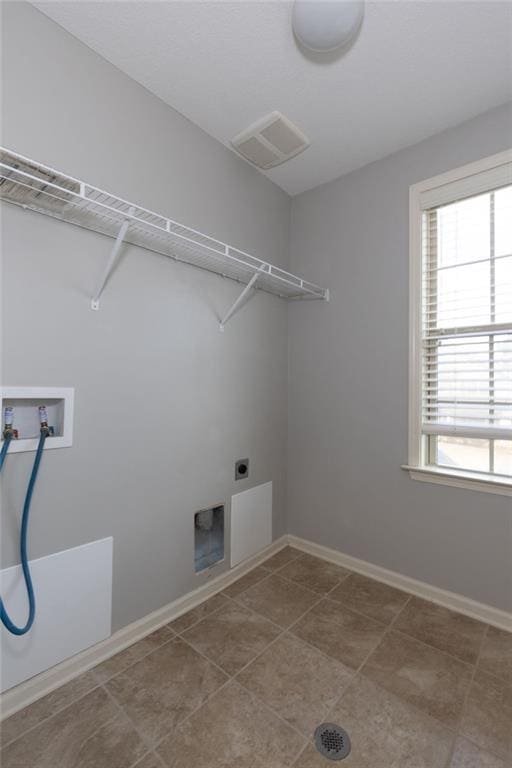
(461, 324)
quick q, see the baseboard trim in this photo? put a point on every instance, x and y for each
(452, 600)
(36, 687)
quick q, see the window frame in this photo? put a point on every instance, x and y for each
(417, 470)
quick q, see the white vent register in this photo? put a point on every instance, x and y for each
(36, 187)
(270, 141)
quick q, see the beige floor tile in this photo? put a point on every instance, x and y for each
(121, 661)
(232, 636)
(339, 632)
(91, 733)
(40, 710)
(370, 597)
(423, 676)
(249, 580)
(487, 718)
(385, 732)
(282, 558)
(314, 573)
(496, 654)
(444, 629)
(296, 681)
(232, 730)
(468, 755)
(161, 689)
(182, 623)
(279, 600)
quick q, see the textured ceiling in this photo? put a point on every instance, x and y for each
(415, 69)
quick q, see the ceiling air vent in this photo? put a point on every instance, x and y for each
(270, 141)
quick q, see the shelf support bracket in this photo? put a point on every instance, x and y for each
(238, 303)
(109, 266)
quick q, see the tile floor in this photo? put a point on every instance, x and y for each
(242, 680)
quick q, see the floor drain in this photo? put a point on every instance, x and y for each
(332, 741)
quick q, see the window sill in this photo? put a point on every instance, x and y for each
(461, 479)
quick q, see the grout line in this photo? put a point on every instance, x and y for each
(266, 706)
(320, 594)
(151, 753)
(206, 658)
(308, 742)
(139, 760)
(386, 632)
(121, 709)
(344, 608)
(466, 697)
(485, 750)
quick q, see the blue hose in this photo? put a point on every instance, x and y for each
(5, 448)
(4, 616)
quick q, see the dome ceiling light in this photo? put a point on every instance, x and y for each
(326, 25)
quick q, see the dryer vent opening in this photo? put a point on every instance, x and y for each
(208, 537)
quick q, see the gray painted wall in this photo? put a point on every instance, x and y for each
(164, 402)
(348, 378)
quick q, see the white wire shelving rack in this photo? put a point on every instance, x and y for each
(36, 187)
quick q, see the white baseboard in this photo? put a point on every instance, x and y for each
(36, 687)
(452, 600)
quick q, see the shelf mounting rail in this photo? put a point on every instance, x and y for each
(37, 187)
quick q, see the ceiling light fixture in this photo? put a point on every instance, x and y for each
(325, 25)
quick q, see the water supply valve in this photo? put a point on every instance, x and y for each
(43, 421)
(9, 431)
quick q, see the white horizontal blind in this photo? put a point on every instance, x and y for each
(467, 309)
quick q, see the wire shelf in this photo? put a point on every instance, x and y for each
(31, 185)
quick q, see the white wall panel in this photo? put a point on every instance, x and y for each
(73, 609)
(251, 522)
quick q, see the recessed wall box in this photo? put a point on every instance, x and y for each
(59, 403)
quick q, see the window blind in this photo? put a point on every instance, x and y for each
(467, 307)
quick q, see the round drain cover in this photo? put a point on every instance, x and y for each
(332, 741)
